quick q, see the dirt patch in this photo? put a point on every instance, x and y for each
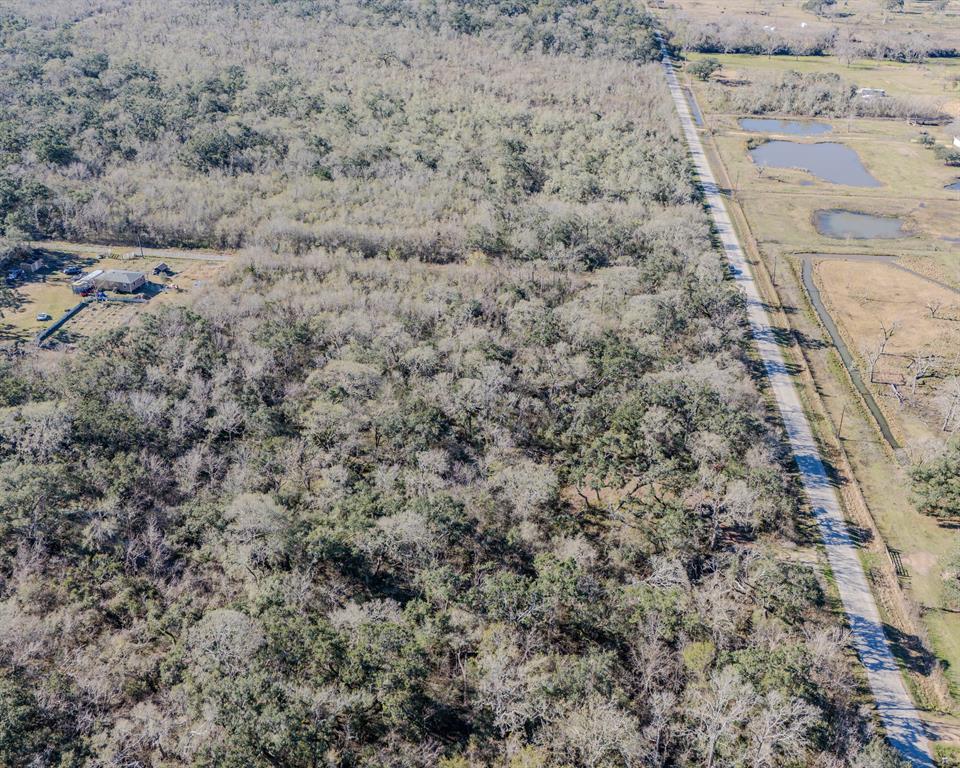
(920, 563)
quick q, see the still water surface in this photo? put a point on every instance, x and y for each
(859, 226)
(832, 162)
(789, 127)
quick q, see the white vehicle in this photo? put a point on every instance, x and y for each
(44, 317)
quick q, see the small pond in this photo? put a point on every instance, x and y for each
(832, 162)
(789, 127)
(954, 187)
(860, 226)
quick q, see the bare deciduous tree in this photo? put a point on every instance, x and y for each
(886, 333)
(947, 399)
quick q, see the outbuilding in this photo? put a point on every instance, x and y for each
(85, 282)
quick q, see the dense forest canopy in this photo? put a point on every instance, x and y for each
(351, 512)
(462, 465)
(301, 123)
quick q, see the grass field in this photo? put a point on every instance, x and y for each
(863, 297)
(780, 205)
(934, 79)
(49, 290)
(781, 202)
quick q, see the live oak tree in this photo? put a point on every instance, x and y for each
(461, 466)
(384, 552)
(704, 69)
(936, 483)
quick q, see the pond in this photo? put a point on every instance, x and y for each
(955, 187)
(832, 162)
(789, 127)
(859, 226)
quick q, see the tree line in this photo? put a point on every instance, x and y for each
(813, 94)
(742, 35)
(463, 465)
(293, 124)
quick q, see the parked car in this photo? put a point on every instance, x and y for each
(43, 317)
(73, 270)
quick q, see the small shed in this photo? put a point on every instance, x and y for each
(120, 280)
(31, 266)
(162, 269)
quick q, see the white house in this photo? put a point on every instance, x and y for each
(85, 282)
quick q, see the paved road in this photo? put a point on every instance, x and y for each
(903, 726)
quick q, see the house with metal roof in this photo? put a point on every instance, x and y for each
(120, 280)
(85, 282)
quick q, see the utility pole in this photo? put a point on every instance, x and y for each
(140, 243)
(843, 412)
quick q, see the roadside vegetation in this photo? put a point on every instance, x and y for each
(461, 464)
(902, 327)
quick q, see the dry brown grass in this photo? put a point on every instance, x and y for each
(49, 291)
(865, 297)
